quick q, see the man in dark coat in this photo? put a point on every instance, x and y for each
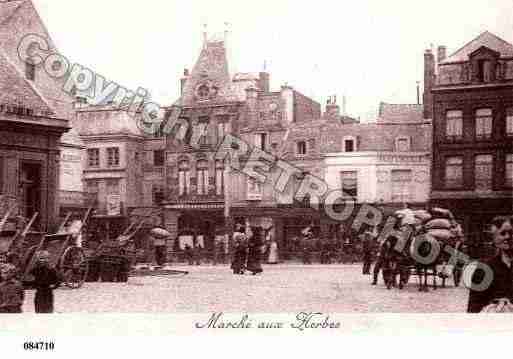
(12, 293)
(46, 279)
(501, 285)
(367, 248)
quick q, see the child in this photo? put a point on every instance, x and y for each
(46, 279)
(11, 290)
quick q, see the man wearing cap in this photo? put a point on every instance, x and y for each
(46, 279)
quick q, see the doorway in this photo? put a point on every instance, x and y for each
(30, 188)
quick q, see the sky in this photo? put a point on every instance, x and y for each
(366, 50)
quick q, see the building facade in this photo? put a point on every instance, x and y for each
(30, 133)
(20, 18)
(470, 98)
(203, 197)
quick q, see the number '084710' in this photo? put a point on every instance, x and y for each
(44, 346)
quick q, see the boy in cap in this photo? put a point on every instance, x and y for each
(12, 293)
(46, 279)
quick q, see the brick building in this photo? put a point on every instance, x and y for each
(469, 95)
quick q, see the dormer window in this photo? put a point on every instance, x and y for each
(402, 144)
(484, 71)
(484, 62)
(301, 148)
(30, 71)
(349, 144)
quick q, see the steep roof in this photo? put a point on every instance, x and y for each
(211, 69)
(486, 39)
(15, 89)
(399, 113)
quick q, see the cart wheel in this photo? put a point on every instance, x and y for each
(74, 267)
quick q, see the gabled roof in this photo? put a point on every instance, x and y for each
(486, 39)
(15, 89)
(400, 113)
(212, 68)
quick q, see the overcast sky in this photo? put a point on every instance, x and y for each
(367, 50)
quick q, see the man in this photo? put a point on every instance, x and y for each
(501, 285)
(367, 247)
(46, 279)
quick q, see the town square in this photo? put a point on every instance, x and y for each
(240, 184)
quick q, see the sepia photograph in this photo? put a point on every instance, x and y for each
(273, 166)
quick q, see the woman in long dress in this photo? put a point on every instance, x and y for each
(239, 252)
(273, 252)
(255, 245)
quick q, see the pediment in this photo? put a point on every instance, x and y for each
(484, 53)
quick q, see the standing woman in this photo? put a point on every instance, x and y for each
(239, 251)
(273, 248)
(255, 246)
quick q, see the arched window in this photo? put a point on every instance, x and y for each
(184, 178)
(202, 177)
(219, 177)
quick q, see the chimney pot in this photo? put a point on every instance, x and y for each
(442, 53)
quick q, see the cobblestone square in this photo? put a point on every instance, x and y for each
(281, 288)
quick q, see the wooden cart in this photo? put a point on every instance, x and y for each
(66, 256)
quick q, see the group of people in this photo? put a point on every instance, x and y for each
(249, 246)
(43, 277)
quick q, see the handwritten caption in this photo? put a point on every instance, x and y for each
(302, 321)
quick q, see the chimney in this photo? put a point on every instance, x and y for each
(344, 106)
(263, 82)
(183, 80)
(429, 80)
(442, 53)
(418, 92)
(332, 109)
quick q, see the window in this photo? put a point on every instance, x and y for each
(349, 183)
(483, 123)
(454, 124)
(1, 175)
(509, 170)
(219, 177)
(349, 145)
(254, 190)
(92, 186)
(112, 186)
(93, 157)
(311, 145)
(184, 178)
(483, 172)
(203, 125)
(157, 194)
(484, 71)
(30, 71)
(509, 121)
(401, 185)
(159, 157)
(301, 148)
(113, 156)
(221, 131)
(203, 92)
(202, 177)
(402, 144)
(261, 141)
(454, 172)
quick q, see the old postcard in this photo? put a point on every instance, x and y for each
(184, 168)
